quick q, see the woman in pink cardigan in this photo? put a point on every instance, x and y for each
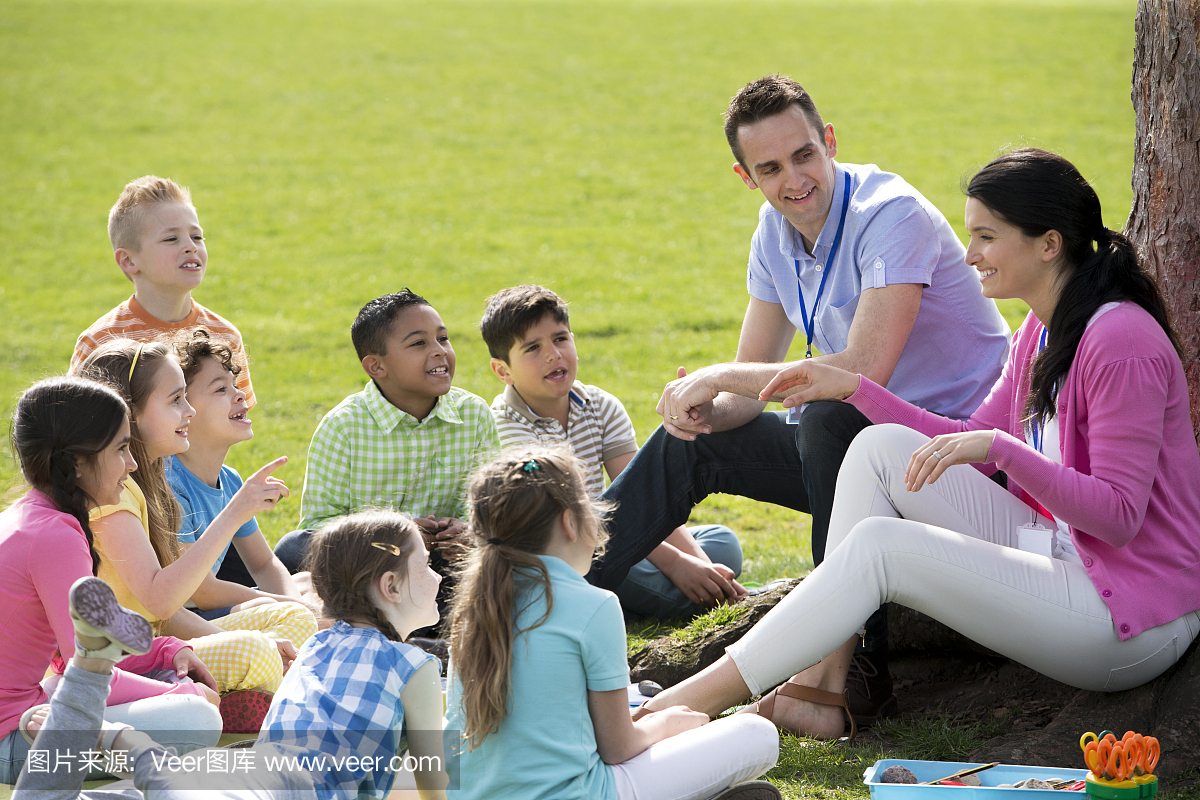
(1092, 547)
(72, 439)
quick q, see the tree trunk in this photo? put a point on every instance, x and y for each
(1164, 223)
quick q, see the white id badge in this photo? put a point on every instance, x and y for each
(793, 416)
(1035, 538)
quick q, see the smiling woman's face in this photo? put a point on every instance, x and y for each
(1010, 264)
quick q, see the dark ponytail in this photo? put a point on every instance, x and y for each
(1038, 191)
(58, 423)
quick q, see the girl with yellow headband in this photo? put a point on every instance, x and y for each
(140, 558)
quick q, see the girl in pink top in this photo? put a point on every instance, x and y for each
(1091, 548)
(72, 439)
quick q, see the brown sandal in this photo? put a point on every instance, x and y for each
(765, 707)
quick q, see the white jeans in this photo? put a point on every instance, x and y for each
(947, 551)
(698, 764)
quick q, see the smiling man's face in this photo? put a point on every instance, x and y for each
(792, 164)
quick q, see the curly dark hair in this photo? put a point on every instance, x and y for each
(196, 344)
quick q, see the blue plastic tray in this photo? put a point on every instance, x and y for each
(932, 770)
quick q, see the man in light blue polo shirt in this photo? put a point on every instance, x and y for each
(872, 277)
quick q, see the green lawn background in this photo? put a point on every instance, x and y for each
(338, 150)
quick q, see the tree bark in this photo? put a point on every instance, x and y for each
(1164, 223)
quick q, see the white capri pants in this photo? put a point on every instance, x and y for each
(948, 551)
(697, 764)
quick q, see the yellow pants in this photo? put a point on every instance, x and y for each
(245, 655)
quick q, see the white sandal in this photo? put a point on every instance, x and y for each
(26, 718)
(95, 612)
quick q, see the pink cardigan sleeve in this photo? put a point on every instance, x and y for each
(996, 411)
(1112, 405)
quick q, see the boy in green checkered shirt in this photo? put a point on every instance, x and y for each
(408, 441)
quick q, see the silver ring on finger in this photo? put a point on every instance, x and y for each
(937, 455)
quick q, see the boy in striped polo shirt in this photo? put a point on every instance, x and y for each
(528, 332)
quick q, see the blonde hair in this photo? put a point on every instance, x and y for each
(131, 368)
(347, 556)
(128, 214)
(515, 502)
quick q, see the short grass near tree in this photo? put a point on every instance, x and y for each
(340, 150)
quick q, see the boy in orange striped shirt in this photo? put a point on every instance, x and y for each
(159, 245)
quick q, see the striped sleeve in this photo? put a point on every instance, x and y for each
(513, 431)
(222, 327)
(124, 322)
(120, 323)
(617, 436)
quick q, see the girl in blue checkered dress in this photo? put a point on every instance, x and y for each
(356, 691)
(539, 685)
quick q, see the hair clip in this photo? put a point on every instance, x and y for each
(531, 465)
(387, 547)
(133, 363)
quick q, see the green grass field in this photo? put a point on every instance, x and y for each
(340, 150)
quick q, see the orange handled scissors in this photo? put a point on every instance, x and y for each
(1106, 757)
(1149, 756)
(1142, 752)
(1087, 743)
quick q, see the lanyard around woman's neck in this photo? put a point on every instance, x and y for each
(1035, 425)
(810, 322)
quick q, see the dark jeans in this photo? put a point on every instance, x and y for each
(291, 550)
(766, 459)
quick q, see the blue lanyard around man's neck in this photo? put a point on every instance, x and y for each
(810, 322)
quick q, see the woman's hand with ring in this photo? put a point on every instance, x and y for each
(942, 452)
